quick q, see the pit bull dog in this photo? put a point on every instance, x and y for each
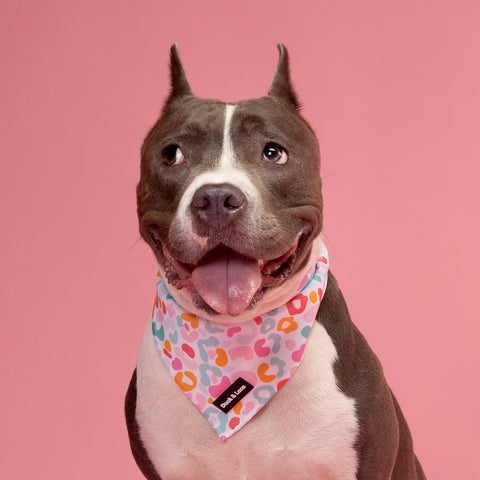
(250, 366)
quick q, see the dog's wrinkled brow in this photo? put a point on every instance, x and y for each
(251, 123)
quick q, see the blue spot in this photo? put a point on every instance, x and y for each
(203, 369)
(267, 325)
(276, 339)
(258, 394)
(306, 331)
(213, 329)
(160, 333)
(173, 337)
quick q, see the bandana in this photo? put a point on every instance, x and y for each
(231, 371)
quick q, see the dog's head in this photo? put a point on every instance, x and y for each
(229, 197)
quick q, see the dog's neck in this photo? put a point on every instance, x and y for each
(272, 299)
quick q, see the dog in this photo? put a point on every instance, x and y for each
(250, 367)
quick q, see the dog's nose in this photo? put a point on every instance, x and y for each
(217, 205)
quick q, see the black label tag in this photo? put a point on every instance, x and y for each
(232, 395)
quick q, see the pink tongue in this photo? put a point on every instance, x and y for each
(227, 281)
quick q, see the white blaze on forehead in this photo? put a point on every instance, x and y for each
(226, 160)
(225, 171)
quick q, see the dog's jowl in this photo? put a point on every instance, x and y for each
(250, 367)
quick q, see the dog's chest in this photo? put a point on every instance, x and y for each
(308, 430)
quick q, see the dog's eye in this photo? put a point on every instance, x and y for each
(275, 153)
(172, 155)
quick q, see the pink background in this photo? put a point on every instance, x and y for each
(393, 91)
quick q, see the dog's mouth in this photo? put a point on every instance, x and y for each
(227, 281)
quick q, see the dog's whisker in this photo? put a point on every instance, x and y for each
(134, 244)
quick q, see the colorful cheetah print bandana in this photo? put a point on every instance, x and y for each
(231, 371)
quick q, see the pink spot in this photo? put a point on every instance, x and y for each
(187, 362)
(167, 353)
(189, 337)
(216, 390)
(223, 438)
(246, 352)
(171, 310)
(297, 304)
(234, 422)
(304, 281)
(201, 401)
(177, 364)
(298, 355)
(249, 376)
(211, 354)
(260, 349)
(290, 344)
(232, 331)
(248, 407)
(281, 384)
(188, 350)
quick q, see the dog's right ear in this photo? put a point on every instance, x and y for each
(179, 85)
(282, 85)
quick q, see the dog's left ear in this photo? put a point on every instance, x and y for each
(282, 86)
(179, 85)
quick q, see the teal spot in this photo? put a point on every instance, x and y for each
(159, 333)
(306, 331)
(173, 337)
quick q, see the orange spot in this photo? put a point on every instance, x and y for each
(168, 345)
(313, 296)
(287, 324)
(186, 387)
(191, 319)
(159, 274)
(210, 400)
(222, 358)
(262, 373)
(238, 407)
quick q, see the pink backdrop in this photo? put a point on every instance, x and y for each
(393, 90)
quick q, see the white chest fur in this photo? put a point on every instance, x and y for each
(307, 430)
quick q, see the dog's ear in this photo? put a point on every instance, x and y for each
(282, 86)
(179, 85)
